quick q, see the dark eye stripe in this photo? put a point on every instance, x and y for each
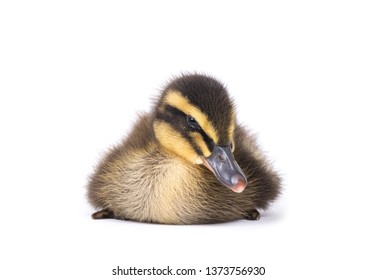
(171, 116)
(208, 141)
(174, 111)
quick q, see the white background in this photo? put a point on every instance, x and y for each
(74, 74)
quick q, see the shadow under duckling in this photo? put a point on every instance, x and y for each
(186, 162)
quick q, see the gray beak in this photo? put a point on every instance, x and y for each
(222, 163)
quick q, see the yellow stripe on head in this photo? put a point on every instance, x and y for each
(199, 140)
(174, 141)
(177, 100)
(231, 130)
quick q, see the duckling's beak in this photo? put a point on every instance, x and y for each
(222, 163)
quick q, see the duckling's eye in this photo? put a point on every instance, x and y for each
(193, 123)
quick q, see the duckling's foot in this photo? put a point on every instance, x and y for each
(103, 214)
(252, 215)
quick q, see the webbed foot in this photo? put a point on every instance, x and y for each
(252, 215)
(103, 214)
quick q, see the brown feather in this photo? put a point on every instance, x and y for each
(143, 181)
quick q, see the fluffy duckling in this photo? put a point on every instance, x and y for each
(186, 162)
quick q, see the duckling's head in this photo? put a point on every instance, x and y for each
(195, 119)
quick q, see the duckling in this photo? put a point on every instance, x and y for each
(186, 162)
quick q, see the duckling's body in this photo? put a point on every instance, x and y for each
(158, 175)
